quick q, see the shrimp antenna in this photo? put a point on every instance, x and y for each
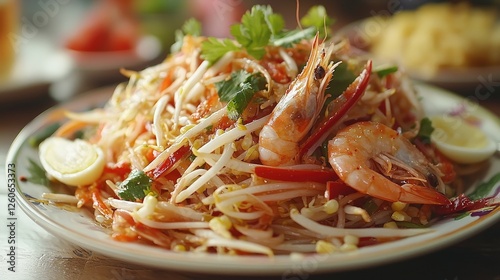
(324, 26)
(297, 14)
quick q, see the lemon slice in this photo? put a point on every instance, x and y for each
(460, 141)
(71, 162)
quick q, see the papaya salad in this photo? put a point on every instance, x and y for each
(273, 142)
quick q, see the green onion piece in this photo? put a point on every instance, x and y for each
(46, 132)
(382, 72)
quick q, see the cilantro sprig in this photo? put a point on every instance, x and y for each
(191, 27)
(239, 90)
(135, 187)
(425, 131)
(318, 18)
(255, 30)
(37, 174)
(261, 27)
(213, 49)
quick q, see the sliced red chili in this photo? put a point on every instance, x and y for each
(169, 162)
(459, 204)
(322, 175)
(121, 169)
(342, 105)
(337, 188)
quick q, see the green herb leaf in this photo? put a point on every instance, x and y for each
(239, 90)
(38, 175)
(384, 71)
(341, 79)
(409, 225)
(425, 131)
(288, 38)
(317, 18)
(190, 27)
(213, 49)
(485, 188)
(260, 27)
(275, 22)
(238, 104)
(253, 33)
(135, 187)
(46, 132)
(370, 206)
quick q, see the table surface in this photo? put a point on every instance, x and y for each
(41, 255)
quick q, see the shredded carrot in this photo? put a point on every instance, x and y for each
(68, 129)
(98, 203)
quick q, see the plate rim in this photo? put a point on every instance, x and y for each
(280, 264)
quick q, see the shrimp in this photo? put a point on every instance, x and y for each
(404, 174)
(297, 110)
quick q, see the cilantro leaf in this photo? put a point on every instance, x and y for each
(261, 27)
(190, 27)
(37, 174)
(288, 38)
(425, 131)
(213, 49)
(135, 187)
(317, 18)
(239, 90)
(275, 22)
(253, 33)
(341, 79)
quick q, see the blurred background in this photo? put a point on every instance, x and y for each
(58, 48)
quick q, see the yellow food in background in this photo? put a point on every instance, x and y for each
(440, 35)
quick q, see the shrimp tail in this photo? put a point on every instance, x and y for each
(419, 194)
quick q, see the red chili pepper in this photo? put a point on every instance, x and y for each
(322, 175)
(459, 204)
(121, 169)
(169, 162)
(446, 167)
(336, 188)
(367, 241)
(344, 103)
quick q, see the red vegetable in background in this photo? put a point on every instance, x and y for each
(109, 26)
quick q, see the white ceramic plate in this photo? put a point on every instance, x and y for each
(78, 226)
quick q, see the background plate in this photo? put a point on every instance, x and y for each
(458, 79)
